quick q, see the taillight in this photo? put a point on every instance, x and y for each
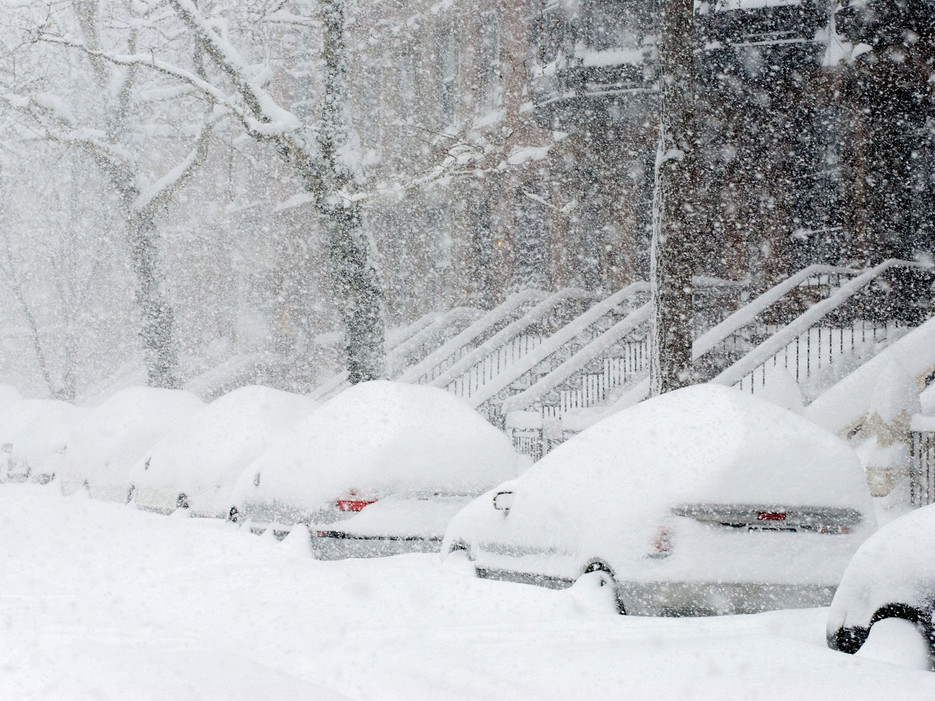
(662, 543)
(352, 501)
(770, 515)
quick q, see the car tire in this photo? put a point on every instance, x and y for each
(851, 639)
(602, 580)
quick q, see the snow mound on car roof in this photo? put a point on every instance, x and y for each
(113, 435)
(381, 437)
(204, 456)
(702, 444)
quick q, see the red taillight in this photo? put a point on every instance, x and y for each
(352, 502)
(662, 543)
(770, 515)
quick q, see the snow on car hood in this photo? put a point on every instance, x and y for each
(204, 456)
(618, 480)
(380, 438)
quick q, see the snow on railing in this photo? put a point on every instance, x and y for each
(802, 330)
(747, 314)
(559, 342)
(429, 338)
(476, 333)
(403, 343)
(595, 350)
(488, 359)
(251, 368)
(619, 370)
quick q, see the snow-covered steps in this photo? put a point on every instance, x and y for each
(475, 334)
(553, 351)
(487, 360)
(830, 338)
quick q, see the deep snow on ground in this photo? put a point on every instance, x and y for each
(101, 601)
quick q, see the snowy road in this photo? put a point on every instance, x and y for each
(100, 601)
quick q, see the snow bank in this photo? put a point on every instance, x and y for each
(380, 438)
(204, 456)
(116, 433)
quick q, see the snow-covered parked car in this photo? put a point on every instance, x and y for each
(892, 575)
(379, 469)
(701, 501)
(112, 436)
(196, 464)
(33, 437)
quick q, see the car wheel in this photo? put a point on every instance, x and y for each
(598, 584)
(896, 640)
(850, 640)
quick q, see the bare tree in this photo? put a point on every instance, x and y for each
(317, 160)
(99, 121)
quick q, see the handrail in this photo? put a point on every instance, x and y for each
(786, 335)
(454, 316)
(702, 345)
(424, 327)
(498, 340)
(555, 342)
(509, 307)
(736, 321)
(590, 352)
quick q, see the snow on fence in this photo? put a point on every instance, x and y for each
(744, 329)
(824, 353)
(579, 333)
(492, 364)
(428, 339)
(632, 355)
(617, 371)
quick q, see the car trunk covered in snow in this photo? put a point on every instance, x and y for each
(706, 486)
(375, 440)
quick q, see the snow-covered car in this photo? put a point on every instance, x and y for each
(196, 464)
(112, 436)
(33, 432)
(892, 575)
(34, 437)
(378, 469)
(701, 501)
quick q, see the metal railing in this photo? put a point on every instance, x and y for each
(922, 468)
(827, 330)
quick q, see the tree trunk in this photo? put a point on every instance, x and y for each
(675, 215)
(157, 330)
(357, 283)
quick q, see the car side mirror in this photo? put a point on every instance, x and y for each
(503, 501)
